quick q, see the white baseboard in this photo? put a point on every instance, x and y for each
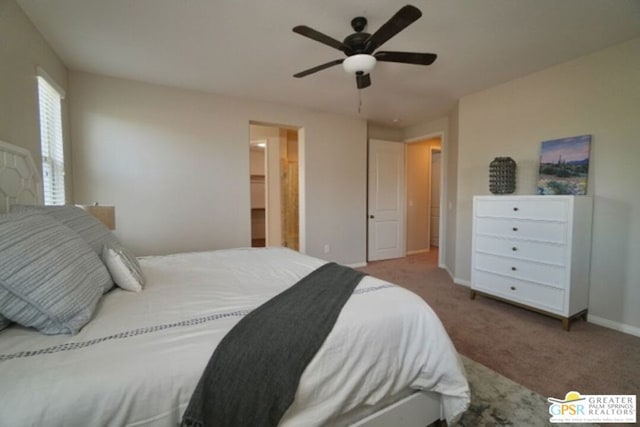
(358, 264)
(445, 268)
(462, 282)
(627, 329)
(455, 279)
(418, 251)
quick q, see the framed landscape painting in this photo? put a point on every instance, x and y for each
(564, 166)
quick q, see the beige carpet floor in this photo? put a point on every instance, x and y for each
(528, 348)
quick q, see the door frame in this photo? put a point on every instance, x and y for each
(403, 191)
(442, 242)
(433, 149)
(302, 225)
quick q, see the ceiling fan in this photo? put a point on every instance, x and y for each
(360, 46)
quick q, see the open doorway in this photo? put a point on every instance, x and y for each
(275, 177)
(423, 194)
(404, 198)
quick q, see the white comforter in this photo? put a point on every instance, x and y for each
(138, 361)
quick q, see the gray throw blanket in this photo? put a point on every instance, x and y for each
(252, 377)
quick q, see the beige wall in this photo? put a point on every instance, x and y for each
(22, 49)
(418, 172)
(175, 164)
(385, 133)
(598, 94)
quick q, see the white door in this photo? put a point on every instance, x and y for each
(435, 198)
(386, 200)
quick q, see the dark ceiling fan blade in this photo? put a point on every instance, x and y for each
(398, 22)
(363, 80)
(319, 37)
(407, 57)
(318, 68)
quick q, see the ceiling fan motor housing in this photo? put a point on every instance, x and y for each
(356, 42)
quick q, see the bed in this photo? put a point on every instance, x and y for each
(138, 359)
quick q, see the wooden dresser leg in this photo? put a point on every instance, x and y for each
(566, 323)
(472, 294)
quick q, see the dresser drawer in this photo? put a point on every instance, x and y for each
(546, 274)
(530, 208)
(547, 231)
(521, 249)
(532, 294)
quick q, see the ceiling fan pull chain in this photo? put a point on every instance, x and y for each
(359, 101)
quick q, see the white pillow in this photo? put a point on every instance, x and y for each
(123, 267)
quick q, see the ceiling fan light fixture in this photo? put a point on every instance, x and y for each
(359, 64)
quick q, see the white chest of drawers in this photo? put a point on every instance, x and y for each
(533, 251)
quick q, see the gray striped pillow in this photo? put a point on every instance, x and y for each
(50, 279)
(94, 232)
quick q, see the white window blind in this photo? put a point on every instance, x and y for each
(51, 143)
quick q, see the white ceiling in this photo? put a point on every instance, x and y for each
(246, 48)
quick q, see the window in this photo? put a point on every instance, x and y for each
(50, 100)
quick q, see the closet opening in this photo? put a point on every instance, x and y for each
(275, 166)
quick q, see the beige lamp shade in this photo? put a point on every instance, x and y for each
(106, 214)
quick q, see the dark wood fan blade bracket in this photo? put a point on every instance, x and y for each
(364, 44)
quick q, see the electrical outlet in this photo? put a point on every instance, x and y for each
(327, 248)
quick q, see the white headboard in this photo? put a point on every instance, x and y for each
(19, 177)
